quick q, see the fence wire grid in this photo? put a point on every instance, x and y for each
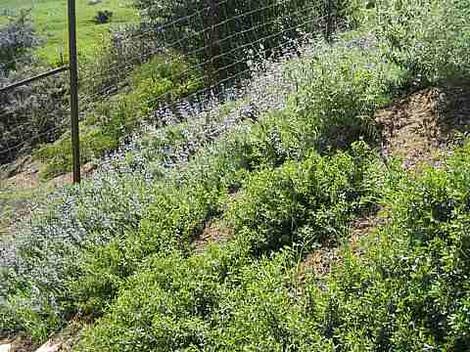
(219, 43)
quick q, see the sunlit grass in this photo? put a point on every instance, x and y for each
(50, 20)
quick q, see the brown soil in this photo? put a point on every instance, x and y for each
(19, 344)
(424, 125)
(23, 185)
(26, 175)
(214, 232)
(61, 342)
(320, 261)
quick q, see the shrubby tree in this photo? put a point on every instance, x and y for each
(30, 114)
(225, 34)
(16, 38)
(440, 51)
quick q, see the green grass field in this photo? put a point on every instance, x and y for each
(50, 20)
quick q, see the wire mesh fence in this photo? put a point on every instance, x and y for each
(33, 96)
(31, 114)
(204, 49)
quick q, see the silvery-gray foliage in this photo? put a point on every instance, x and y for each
(16, 38)
(30, 114)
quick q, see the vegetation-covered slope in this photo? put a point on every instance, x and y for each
(120, 251)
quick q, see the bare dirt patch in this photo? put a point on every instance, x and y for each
(18, 344)
(21, 185)
(63, 341)
(214, 232)
(320, 261)
(25, 175)
(424, 125)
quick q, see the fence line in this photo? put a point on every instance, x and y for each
(218, 63)
(219, 41)
(210, 90)
(204, 63)
(34, 78)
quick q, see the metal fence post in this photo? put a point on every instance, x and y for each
(213, 38)
(329, 20)
(73, 69)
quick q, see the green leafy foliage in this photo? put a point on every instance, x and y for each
(172, 221)
(308, 202)
(227, 300)
(94, 266)
(220, 300)
(414, 272)
(430, 38)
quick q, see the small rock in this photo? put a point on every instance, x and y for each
(5, 347)
(94, 2)
(49, 347)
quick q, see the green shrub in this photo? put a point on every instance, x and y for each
(118, 253)
(226, 300)
(339, 91)
(220, 300)
(410, 289)
(187, 288)
(429, 38)
(263, 309)
(306, 202)
(91, 269)
(298, 209)
(175, 217)
(322, 194)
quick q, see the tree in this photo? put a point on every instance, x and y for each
(16, 38)
(223, 34)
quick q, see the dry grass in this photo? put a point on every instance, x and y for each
(423, 126)
(18, 191)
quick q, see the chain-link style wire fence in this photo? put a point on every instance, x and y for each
(219, 42)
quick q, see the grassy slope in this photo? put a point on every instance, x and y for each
(50, 19)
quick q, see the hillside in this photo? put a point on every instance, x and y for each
(50, 20)
(324, 207)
